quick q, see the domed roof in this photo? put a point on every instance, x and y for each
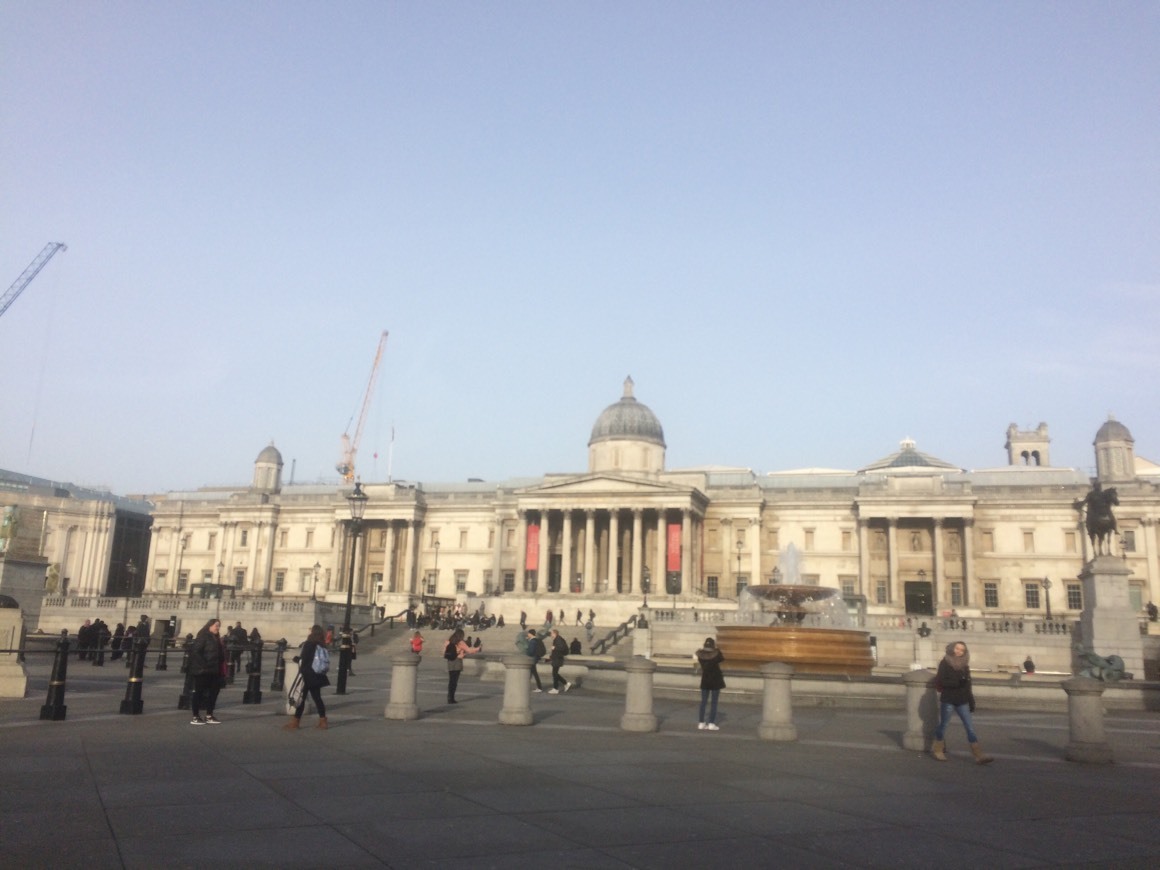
(1113, 430)
(270, 454)
(628, 420)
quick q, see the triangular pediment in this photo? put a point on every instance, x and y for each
(603, 484)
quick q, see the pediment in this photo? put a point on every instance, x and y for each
(604, 484)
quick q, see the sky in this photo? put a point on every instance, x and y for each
(806, 231)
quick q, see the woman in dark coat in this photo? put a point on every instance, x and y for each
(312, 682)
(207, 657)
(953, 682)
(712, 682)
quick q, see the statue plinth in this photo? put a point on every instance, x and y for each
(1108, 625)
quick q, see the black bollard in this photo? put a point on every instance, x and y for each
(253, 693)
(233, 665)
(163, 656)
(187, 689)
(99, 658)
(345, 647)
(279, 667)
(133, 705)
(54, 708)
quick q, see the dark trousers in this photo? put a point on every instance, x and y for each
(452, 682)
(315, 692)
(536, 677)
(205, 692)
(557, 680)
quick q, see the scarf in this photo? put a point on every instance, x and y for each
(959, 663)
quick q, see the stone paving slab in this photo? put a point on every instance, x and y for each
(455, 788)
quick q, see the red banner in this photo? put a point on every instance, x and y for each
(533, 560)
(674, 560)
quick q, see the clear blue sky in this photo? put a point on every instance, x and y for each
(807, 230)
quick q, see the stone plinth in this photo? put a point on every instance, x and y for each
(777, 703)
(638, 696)
(1085, 713)
(921, 709)
(13, 677)
(517, 691)
(1108, 625)
(404, 679)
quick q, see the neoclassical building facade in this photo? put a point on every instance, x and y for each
(906, 534)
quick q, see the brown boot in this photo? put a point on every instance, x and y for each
(939, 750)
(322, 723)
(293, 724)
(980, 756)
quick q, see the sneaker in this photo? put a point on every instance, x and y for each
(567, 686)
(536, 691)
(712, 726)
(553, 691)
(196, 720)
(700, 726)
(212, 720)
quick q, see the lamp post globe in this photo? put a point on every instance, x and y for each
(358, 505)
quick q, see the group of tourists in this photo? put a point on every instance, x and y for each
(94, 636)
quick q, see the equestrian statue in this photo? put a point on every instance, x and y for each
(1098, 517)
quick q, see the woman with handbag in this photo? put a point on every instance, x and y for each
(454, 652)
(953, 682)
(207, 658)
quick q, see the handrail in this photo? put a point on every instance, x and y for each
(614, 637)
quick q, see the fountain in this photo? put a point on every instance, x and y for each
(808, 627)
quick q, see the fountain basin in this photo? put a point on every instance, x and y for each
(808, 650)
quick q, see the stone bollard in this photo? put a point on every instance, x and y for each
(54, 708)
(638, 695)
(279, 681)
(517, 691)
(1085, 712)
(921, 705)
(133, 705)
(404, 681)
(777, 703)
(253, 693)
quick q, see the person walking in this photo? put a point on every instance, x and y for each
(314, 656)
(953, 682)
(536, 651)
(712, 682)
(556, 659)
(455, 651)
(207, 660)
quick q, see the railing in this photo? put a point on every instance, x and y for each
(614, 637)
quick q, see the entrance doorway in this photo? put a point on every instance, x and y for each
(919, 597)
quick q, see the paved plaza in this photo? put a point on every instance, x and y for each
(456, 789)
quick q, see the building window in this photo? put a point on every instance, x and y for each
(849, 586)
(990, 594)
(460, 581)
(811, 579)
(211, 541)
(1136, 597)
(159, 580)
(207, 576)
(509, 581)
(491, 539)
(182, 581)
(771, 539)
(244, 537)
(239, 578)
(1074, 596)
(809, 539)
(283, 538)
(1069, 542)
(957, 593)
(488, 578)
(1128, 540)
(881, 592)
(847, 540)
(377, 582)
(711, 587)
(509, 538)
(742, 582)
(1031, 594)
(279, 581)
(1028, 541)
(309, 538)
(431, 583)
(463, 539)
(306, 581)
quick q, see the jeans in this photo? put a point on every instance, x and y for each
(706, 694)
(964, 711)
(205, 691)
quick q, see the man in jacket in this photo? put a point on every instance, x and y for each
(556, 659)
(536, 651)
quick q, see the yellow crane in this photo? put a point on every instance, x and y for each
(349, 446)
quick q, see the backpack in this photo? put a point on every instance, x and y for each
(321, 662)
(450, 652)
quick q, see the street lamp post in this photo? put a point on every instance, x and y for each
(131, 570)
(1047, 596)
(435, 572)
(358, 506)
(314, 588)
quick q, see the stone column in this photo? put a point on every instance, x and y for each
(255, 575)
(637, 551)
(566, 570)
(921, 709)
(864, 559)
(544, 559)
(590, 571)
(522, 550)
(517, 694)
(638, 695)
(660, 575)
(938, 569)
(892, 560)
(686, 549)
(1148, 536)
(613, 548)
(1086, 721)
(777, 703)
(229, 532)
(390, 564)
(404, 679)
(728, 559)
(969, 560)
(755, 544)
(409, 556)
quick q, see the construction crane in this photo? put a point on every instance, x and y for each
(349, 445)
(28, 274)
